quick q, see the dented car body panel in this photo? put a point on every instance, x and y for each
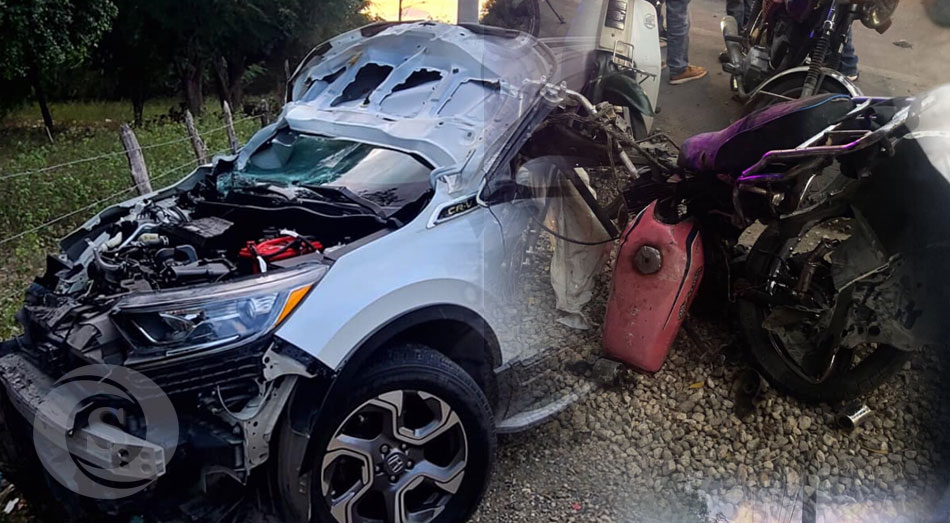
(240, 284)
(446, 93)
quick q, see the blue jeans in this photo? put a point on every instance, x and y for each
(849, 58)
(739, 9)
(677, 35)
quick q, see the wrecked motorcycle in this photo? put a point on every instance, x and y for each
(790, 50)
(835, 294)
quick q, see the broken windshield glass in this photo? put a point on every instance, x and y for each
(385, 176)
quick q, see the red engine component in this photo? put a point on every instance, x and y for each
(657, 271)
(279, 248)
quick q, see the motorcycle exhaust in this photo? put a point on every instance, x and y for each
(852, 415)
(730, 33)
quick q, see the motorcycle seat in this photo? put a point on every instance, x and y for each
(780, 126)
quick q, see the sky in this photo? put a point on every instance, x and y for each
(443, 10)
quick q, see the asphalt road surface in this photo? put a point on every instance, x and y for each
(705, 105)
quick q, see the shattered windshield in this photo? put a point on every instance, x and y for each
(295, 159)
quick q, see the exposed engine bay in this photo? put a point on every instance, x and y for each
(186, 287)
(199, 236)
(196, 238)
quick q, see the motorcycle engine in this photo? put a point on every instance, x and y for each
(757, 67)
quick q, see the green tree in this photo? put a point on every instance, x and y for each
(321, 21)
(269, 32)
(133, 57)
(249, 32)
(38, 37)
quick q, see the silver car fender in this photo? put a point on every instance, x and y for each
(455, 262)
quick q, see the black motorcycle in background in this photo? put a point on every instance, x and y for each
(791, 49)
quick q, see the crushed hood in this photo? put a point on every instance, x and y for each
(443, 92)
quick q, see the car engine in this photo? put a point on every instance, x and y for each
(206, 349)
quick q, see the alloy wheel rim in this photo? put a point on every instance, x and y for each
(398, 457)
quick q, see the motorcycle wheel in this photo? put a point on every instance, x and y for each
(793, 368)
(521, 15)
(635, 124)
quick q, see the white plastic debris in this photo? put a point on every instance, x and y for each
(574, 266)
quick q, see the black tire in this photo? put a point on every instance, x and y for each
(938, 11)
(521, 15)
(845, 383)
(414, 367)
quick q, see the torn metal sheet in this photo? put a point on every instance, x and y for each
(446, 93)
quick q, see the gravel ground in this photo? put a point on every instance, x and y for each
(670, 447)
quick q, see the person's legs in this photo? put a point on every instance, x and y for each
(677, 36)
(849, 58)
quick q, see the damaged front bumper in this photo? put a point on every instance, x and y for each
(224, 428)
(96, 443)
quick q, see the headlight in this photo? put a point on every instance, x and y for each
(207, 316)
(876, 14)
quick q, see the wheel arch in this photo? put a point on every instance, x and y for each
(459, 333)
(310, 395)
(435, 326)
(302, 413)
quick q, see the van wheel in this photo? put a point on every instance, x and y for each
(412, 439)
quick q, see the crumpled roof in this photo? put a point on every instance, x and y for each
(443, 92)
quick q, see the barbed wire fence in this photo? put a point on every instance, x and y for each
(133, 152)
(4, 177)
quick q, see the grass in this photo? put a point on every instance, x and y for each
(88, 113)
(84, 130)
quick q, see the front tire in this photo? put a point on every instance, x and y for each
(846, 380)
(411, 439)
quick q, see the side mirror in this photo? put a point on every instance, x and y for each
(500, 189)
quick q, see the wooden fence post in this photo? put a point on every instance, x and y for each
(136, 160)
(229, 125)
(201, 152)
(265, 113)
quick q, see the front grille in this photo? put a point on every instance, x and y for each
(209, 371)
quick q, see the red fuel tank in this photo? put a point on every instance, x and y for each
(657, 272)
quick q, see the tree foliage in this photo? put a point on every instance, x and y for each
(131, 57)
(141, 49)
(38, 37)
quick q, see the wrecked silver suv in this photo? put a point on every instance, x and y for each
(327, 312)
